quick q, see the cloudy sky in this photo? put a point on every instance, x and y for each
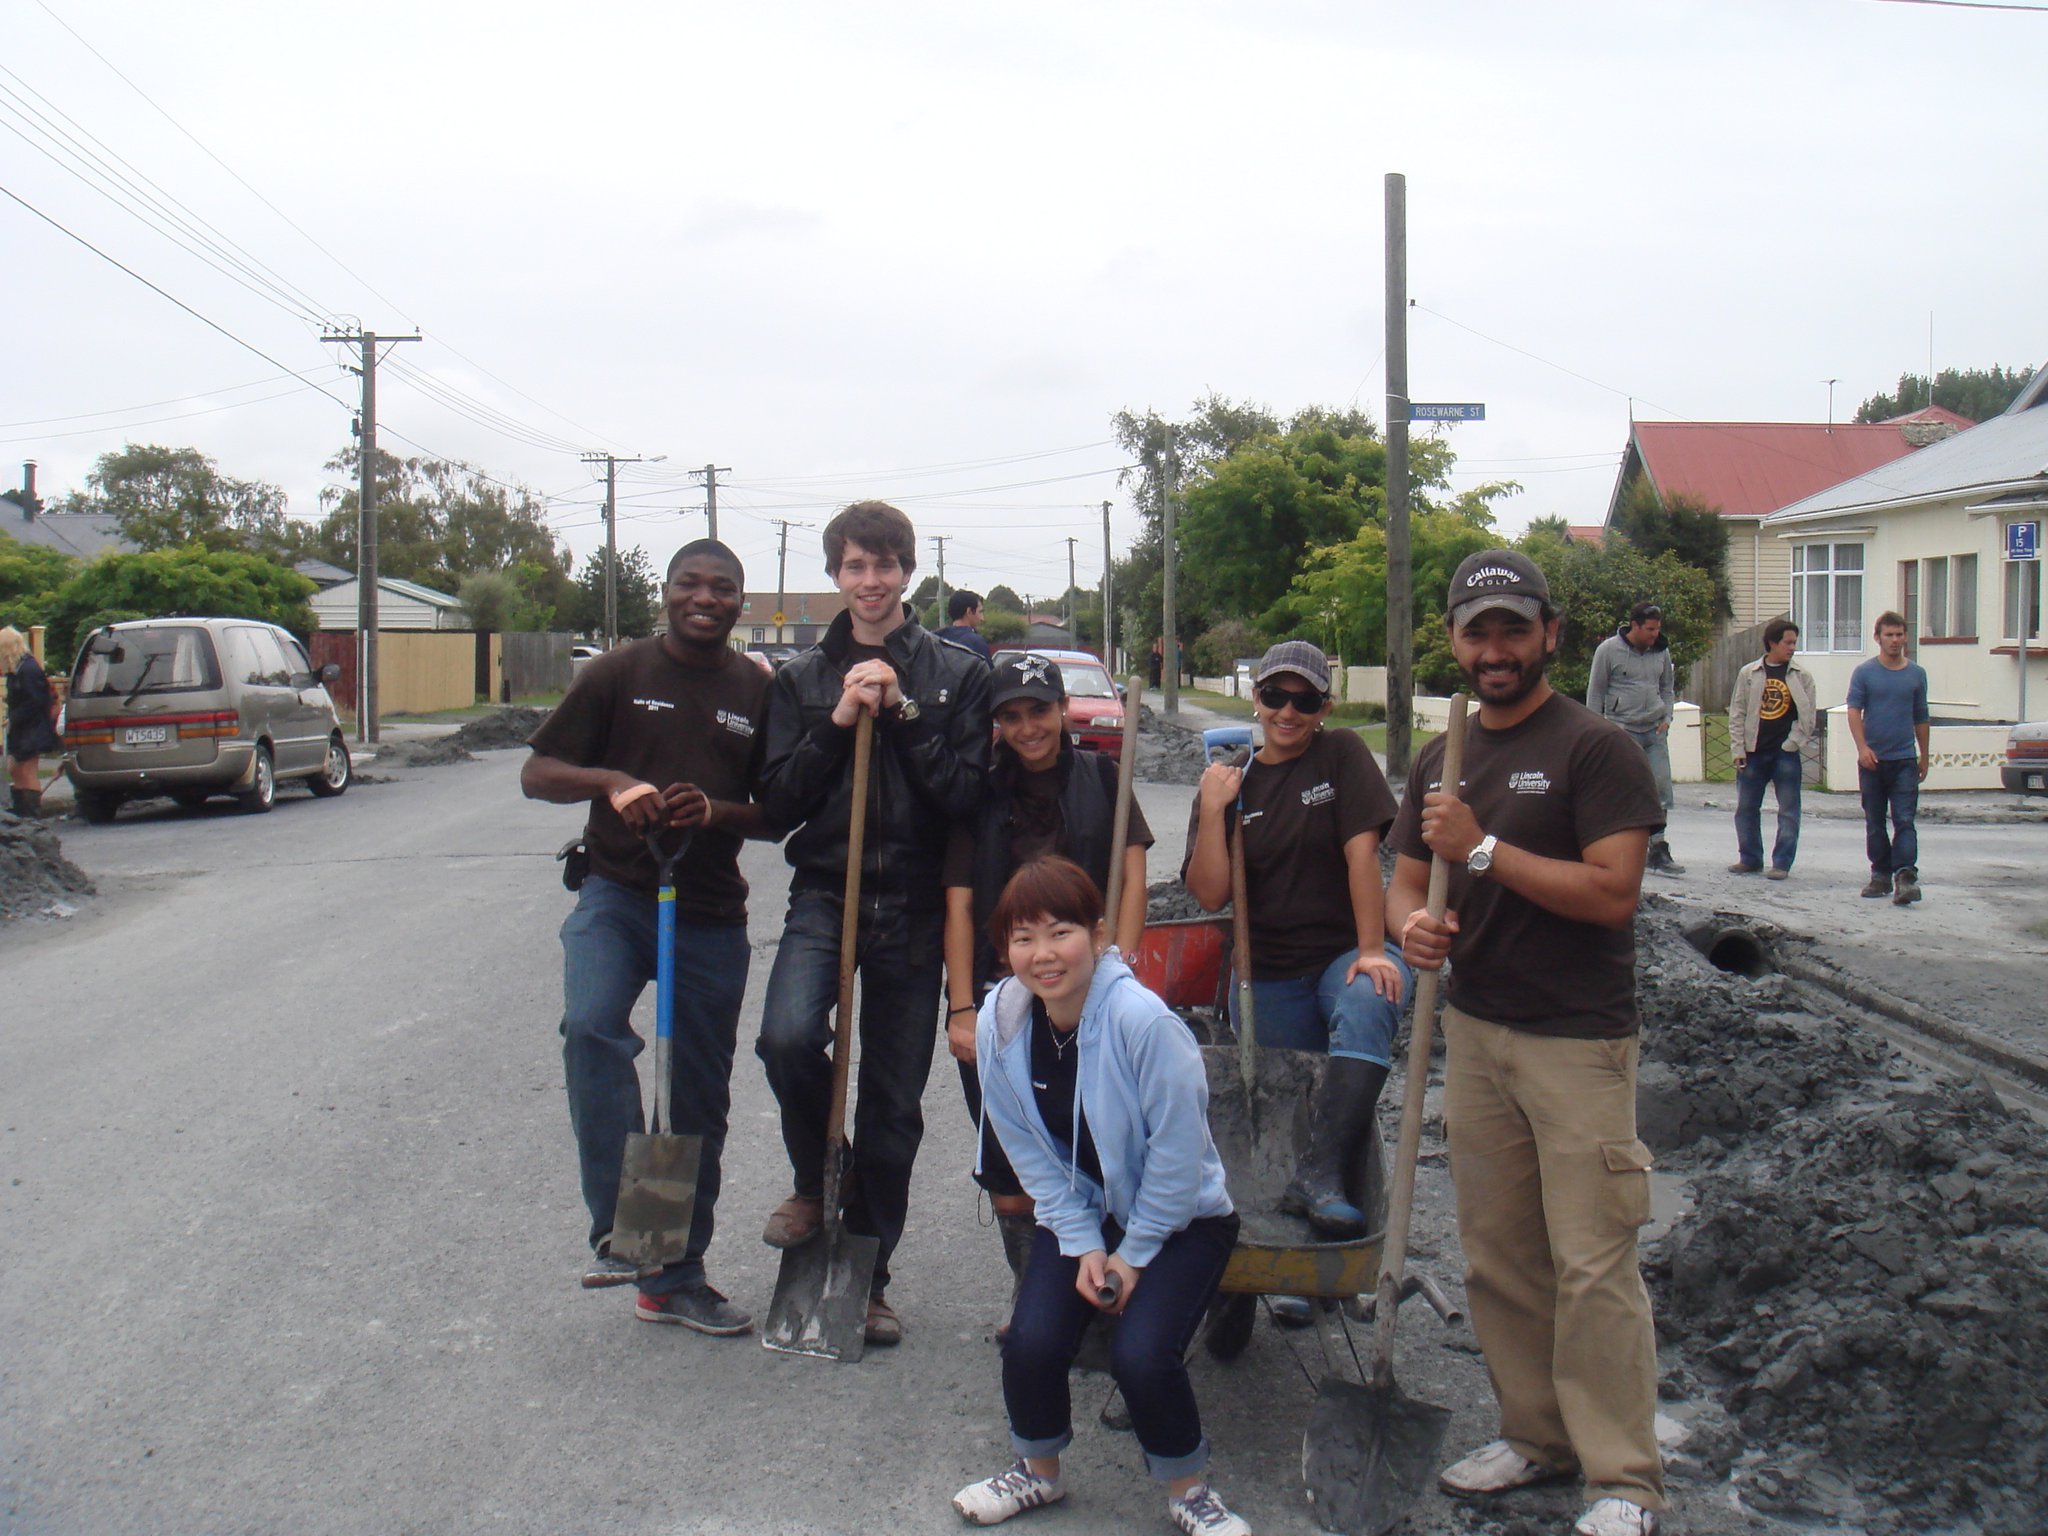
(925, 251)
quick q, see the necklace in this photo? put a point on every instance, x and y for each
(1059, 1044)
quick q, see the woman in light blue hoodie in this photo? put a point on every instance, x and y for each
(1097, 1093)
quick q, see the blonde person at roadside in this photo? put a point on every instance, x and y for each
(30, 729)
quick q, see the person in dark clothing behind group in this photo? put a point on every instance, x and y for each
(659, 737)
(963, 622)
(30, 732)
(929, 698)
(1045, 796)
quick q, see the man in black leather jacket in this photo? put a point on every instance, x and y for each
(930, 702)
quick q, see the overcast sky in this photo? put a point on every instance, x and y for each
(925, 252)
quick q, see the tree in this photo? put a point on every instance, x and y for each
(1340, 598)
(163, 498)
(1000, 596)
(1595, 585)
(1977, 393)
(30, 577)
(1682, 524)
(639, 595)
(172, 583)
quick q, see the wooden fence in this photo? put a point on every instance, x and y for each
(536, 662)
(418, 671)
(1709, 681)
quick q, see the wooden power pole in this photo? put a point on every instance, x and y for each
(611, 463)
(1400, 562)
(1108, 596)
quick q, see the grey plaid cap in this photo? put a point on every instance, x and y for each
(1302, 657)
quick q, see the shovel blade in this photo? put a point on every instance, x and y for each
(820, 1305)
(1369, 1453)
(657, 1198)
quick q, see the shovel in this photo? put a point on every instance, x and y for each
(1370, 1451)
(820, 1305)
(658, 1176)
(1241, 955)
(1120, 824)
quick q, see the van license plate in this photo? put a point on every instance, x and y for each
(2035, 781)
(146, 735)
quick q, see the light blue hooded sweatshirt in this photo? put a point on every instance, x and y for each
(1139, 1080)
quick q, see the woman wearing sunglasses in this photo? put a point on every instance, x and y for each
(1324, 978)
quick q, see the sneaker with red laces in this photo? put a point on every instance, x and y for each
(1006, 1494)
(794, 1222)
(1495, 1467)
(702, 1309)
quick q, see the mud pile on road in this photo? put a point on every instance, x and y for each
(1168, 901)
(501, 728)
(1168, 752)
(34, 874)
(1861, 1276)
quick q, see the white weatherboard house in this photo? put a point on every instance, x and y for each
(400, 605)
(1926, 536)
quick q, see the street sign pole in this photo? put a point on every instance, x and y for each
(2023, 548)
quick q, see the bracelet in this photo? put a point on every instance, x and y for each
(621, 798)
(963, 1008)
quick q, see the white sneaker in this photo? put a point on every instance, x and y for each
(1495, 1467)
(1006, 1494)
(1618, 1517)
(1200, 1513)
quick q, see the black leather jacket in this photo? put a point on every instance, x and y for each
(926, 773)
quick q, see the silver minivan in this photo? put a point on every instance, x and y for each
(192, 708)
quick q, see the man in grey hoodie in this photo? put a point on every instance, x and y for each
(1634, 683)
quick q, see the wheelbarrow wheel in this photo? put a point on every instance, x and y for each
(1231, 1318)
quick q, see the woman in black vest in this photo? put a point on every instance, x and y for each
(1044, 796)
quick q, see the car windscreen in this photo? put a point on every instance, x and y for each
(1086, 682)
(169, 658)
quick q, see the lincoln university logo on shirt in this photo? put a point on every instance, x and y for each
(1533, 782)
(1320, 794)
(735, 722)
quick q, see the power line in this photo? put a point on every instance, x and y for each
(148, 421)
(151, 405)
(215, 325)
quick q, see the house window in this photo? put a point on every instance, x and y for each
(1934, 594)
(2022, 587)
(1909, 599)
(1966, 595)
(760, 633)
(1827, 596)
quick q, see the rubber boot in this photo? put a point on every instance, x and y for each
(1660, 857)
(28, 803)
(1340, 1120)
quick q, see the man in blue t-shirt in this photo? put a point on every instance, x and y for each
(1888, 717)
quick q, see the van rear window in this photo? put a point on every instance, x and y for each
(170, 658)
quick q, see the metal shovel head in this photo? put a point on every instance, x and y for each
(657, 1198)
(1369, 1453)
(820, 1305)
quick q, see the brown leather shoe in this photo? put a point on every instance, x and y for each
(794, 1222)
(883, 1325)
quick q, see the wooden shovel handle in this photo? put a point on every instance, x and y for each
(1401, 1200)
(849, 932)
(1120, 825)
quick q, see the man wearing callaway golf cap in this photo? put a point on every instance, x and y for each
(1545, 837)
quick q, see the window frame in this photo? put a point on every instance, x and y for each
(1831, 579)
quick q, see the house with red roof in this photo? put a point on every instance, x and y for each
(1751, 469)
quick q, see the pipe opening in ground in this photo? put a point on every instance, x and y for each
(1736, 950)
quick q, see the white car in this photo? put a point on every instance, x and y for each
(579, 655)
(2025, 769)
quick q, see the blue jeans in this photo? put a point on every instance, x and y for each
(608, 945)
(1893, 787)
(1321, 1013)
(899, 954)
(1145, 1354)
(1780, 769)
(1656, 746)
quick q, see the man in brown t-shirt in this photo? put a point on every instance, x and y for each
(1546, 836)
(659, 737)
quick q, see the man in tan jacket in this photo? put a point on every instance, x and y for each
(1770, 716)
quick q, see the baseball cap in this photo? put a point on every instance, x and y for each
(1026, 675)
(1302, 657)
(1497, 578)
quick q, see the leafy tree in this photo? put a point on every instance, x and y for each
(492, 600)
(1594, 586)
(172, 583)
(29, 578)
(999, 626)
(639, 595)
(1686, 526)
(1216, 653)
(162, 498)
(1977, 393)
(1000, 596)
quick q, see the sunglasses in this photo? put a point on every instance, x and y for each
(1306, 701)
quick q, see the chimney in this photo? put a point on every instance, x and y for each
(29, 504)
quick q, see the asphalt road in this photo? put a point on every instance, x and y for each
(289, 1231)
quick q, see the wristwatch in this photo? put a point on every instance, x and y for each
(906, 709)
(1480, 860)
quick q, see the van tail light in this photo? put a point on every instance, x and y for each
(203, 725)
(218, 722)
(88, 736)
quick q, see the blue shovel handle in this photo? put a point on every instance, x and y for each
(664, 969)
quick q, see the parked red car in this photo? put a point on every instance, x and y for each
(1095, 709)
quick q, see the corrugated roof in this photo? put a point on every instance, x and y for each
(2006, 453)
(1941, 415)
(1752, 468)
(83, 534)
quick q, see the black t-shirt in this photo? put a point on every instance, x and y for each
(1552, 785)
(1298, 817)
(1055, 1070)
(1776, 712)
(1037, 825)
(639, 710)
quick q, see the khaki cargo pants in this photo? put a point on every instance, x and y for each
(1552, 1185)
